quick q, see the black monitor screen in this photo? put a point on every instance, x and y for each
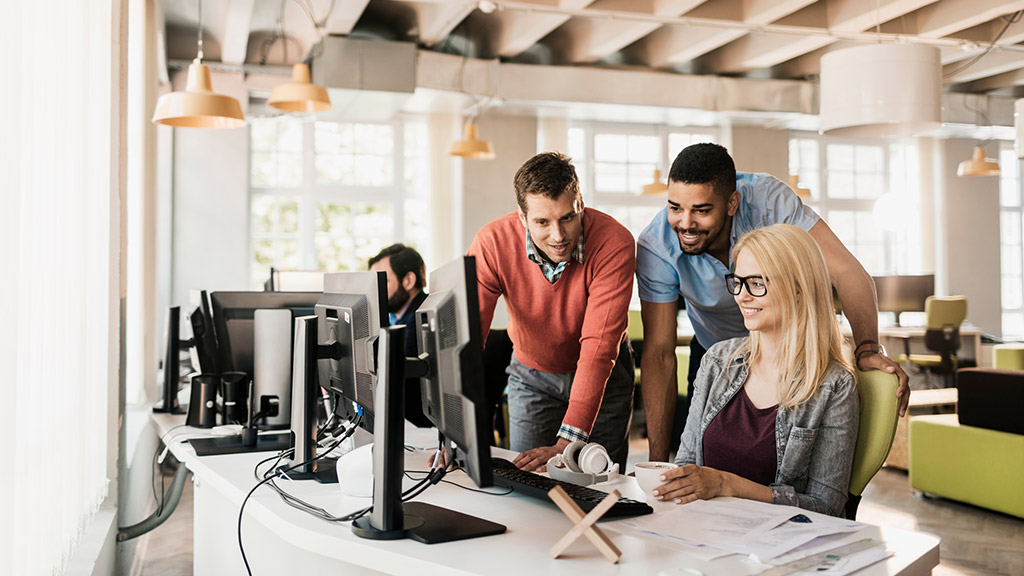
(234, 320)
(351, 312)
(204, 344)
(898, 294)
(454, 392)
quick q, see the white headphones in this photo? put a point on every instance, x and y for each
(582, 463)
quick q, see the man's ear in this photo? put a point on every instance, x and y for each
(409, 280)
(522, 216)
(734, 202)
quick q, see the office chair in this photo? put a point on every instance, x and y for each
(879, 412)
(942, 335)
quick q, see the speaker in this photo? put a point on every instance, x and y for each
(202, 406)
(582, 463)
(272, 364)
(234, 394)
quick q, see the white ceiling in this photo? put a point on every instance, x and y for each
(980, 40)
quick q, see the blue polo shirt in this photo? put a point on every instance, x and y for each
(664, 272)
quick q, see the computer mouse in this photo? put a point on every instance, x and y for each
(355, 472)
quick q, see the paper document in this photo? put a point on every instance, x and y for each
(761, 530)
(719, 524)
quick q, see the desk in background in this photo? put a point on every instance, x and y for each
(280, 539)
(897, 339)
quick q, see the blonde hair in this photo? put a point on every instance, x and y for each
(798, 283)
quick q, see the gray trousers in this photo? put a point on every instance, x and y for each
(537, 402)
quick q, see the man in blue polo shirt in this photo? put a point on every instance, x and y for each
(685, 251)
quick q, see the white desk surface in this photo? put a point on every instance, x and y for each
(278, 537)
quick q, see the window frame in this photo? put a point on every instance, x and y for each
(310, 193)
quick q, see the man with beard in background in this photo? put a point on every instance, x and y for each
(685, 252)
(406, 291)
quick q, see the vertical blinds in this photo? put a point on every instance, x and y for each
(60, 276)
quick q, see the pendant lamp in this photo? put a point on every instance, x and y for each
(198, 106)
(880, 90)
(300, 95)
(656, 187)
(471, 146)
(978, 165)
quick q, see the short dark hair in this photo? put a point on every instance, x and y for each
(549, 174)
(705, 163)
(404, 259)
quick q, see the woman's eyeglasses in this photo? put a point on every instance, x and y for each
(756, 285)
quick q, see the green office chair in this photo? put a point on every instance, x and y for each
(879, 412)
(942, 335)
(635, 332)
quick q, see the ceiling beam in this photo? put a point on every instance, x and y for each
(235, 36)
(521, 30)
(995, 62)
(593, 39)
(951, 16)
(674, 44)
(436, 20)
(343, 17)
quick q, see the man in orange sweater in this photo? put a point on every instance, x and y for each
(565, 272)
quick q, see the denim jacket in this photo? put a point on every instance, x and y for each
(814, 441)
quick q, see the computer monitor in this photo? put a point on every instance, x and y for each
(455, 390)
(171, 365)
(234, 318)
(204, 344)
(450, 364)
(898, 294)
(234, 321)
(351, 312)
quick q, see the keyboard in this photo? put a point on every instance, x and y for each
(527, 483)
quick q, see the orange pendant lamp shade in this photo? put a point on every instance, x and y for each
(198, 106)
(300, 95)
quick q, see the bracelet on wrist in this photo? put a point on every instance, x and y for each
(865, 342)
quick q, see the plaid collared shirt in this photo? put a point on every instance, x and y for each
(552, 271)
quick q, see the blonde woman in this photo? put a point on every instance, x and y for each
(774, 415)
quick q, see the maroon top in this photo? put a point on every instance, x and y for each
(741, 439)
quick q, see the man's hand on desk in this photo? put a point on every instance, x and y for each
(536, 459)
(879, 361)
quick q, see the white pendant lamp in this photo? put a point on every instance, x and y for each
(978, 165)
(880, 90)
(300, 95)
(656, 187)
(198, 106)
(471, 146)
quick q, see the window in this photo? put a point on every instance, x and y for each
(1011, 225)
(328, 196)
(868, 193)
(615, 162)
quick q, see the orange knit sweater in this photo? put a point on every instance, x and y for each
(575, 324)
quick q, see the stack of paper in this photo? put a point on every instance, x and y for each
(769, 534)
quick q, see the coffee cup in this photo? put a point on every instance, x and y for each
(648, 474)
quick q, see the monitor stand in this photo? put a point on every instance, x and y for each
(391, 518)
(304, 393)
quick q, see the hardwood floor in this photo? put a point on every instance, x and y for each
(975, 542)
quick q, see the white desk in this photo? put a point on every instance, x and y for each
(282, 540)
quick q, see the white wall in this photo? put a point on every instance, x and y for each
(967, 235)
(211, 211)
(756, 149)
(487, 190)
